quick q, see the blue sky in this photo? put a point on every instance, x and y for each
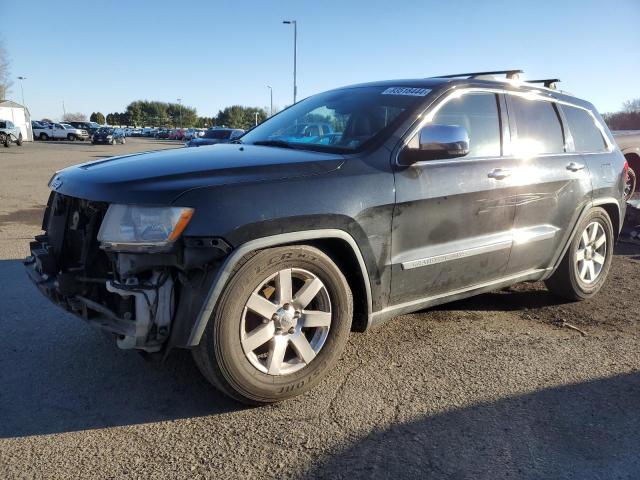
(99, 56)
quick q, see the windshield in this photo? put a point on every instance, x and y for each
(339, 120)
(218, 134)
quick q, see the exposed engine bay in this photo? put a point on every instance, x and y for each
(137, 296)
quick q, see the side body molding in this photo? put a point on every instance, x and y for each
(227, 267)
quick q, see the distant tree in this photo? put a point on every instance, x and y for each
(74, 117)
(47, 120)
(238, 116)
(626, 119)
(631, 106)
(5, 71)
(97, 117)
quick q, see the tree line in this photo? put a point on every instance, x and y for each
(143, 113)
(626, 119)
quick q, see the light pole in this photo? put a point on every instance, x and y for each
(22, 89)
(180, 107)
(256, 118)
(295, 54)
(271, 94)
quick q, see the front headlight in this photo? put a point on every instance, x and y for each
(132, 227)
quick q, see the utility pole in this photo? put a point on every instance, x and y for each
(271, 92)
(180, 107)
(22, 89)
(64, 112)
(295, 54)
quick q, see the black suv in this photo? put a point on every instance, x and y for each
(263, 254)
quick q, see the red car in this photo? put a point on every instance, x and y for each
(177, 134)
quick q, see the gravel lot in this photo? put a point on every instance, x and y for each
(488, 388)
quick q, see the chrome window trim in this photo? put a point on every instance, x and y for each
(429, 112)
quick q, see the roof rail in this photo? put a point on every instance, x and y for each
(547, 82)
(511, 74)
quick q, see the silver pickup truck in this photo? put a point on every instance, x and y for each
(629, 143)
(9, 133)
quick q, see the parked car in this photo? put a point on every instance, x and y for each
(60, 131)
(136, 132)
(176, 134)
(9, 133)
(109, 135)
(191, 133)
(216, 135)
(89, 127)
(629, 143)
(262, 255)
(163, 133)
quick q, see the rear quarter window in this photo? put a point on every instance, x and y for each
(538, 125)
(586, 135)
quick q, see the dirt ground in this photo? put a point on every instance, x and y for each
(487, 388)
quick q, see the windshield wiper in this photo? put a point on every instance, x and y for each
(273, 143)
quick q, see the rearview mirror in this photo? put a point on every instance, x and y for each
(438, 142)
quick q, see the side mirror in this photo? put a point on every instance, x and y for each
(438, 142)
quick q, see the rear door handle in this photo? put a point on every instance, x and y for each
(574, 167)
(499, 173)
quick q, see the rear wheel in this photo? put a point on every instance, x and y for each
(71, 137)
(584, 268)
(5, 139)
(44, 137)
(19, 141)
(630, 184)
(279, 326)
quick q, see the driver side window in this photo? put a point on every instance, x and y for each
(479, 114)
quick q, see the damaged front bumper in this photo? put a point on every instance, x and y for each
(148, 301)
(145, 312)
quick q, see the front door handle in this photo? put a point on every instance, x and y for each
(574, 167)
(499, 173)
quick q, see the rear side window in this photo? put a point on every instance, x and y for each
(478, 114)
(539, 127)
(586, 136)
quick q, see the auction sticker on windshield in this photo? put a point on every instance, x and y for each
(411, 91)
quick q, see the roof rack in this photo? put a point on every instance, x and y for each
(511, 74)
(547, 82)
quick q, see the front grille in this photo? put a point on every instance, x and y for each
(71, 226)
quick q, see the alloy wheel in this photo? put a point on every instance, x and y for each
(286, 321)
(591, 254)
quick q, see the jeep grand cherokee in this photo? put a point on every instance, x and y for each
(262, 255)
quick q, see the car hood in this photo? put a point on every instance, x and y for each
(158, 178)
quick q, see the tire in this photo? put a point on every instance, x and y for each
(19, 141)
(6, 140)
(124, 140)
(255, 377)
(44, 137)
(630, 184)
(113, 141)
(566, 281)
(71, 137)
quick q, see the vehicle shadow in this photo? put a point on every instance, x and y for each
(58, 374)
(588, 431)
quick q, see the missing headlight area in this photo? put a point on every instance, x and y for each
(132, 295)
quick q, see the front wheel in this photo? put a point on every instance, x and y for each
(583, 270)
(5, 139)
(19, 141)
(280, 325)
(71, 137)
(44, 137)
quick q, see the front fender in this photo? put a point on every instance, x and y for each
(223, 274)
